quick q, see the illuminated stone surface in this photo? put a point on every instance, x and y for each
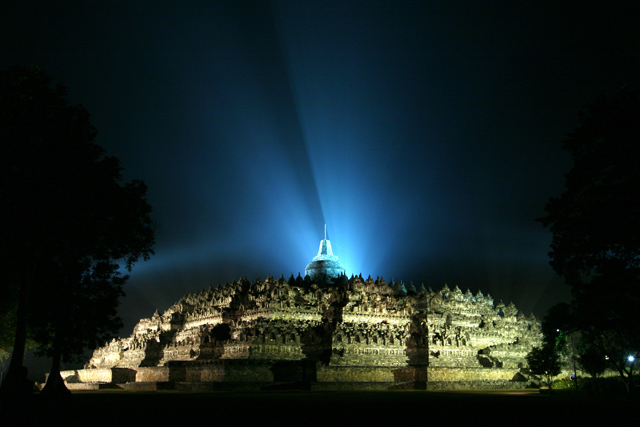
(324, 266)
(350, 333)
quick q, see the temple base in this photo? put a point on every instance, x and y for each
(292, 375)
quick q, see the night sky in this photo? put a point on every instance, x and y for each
(426, 135)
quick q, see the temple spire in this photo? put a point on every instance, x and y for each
(325, 264)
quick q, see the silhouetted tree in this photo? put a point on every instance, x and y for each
(596, 227)
(556, 328)
(8, 309)
(544, 361)
(68, 222)
(557, 320)
(605, 311)
(560, 331)
(592, 360)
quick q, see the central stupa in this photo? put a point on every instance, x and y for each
(324, 266)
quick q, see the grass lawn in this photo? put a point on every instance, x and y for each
(397, 408)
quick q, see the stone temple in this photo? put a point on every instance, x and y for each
(323, 331)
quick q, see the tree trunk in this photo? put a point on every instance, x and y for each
(55, 386)
(13, 382)
(624, 375)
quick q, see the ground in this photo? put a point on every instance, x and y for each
(396, 408)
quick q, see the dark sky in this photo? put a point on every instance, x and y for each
(425, 134)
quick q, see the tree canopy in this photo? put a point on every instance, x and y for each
(69, 220)
(596, 220)
(544, 361)
(595, 225)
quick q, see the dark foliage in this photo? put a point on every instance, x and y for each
(596, 229)
(597, 218)
(544, 361)
(68, 220)
(592, 360)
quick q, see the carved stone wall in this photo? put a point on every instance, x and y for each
(353, 330)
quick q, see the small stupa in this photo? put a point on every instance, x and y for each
(324, 266)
